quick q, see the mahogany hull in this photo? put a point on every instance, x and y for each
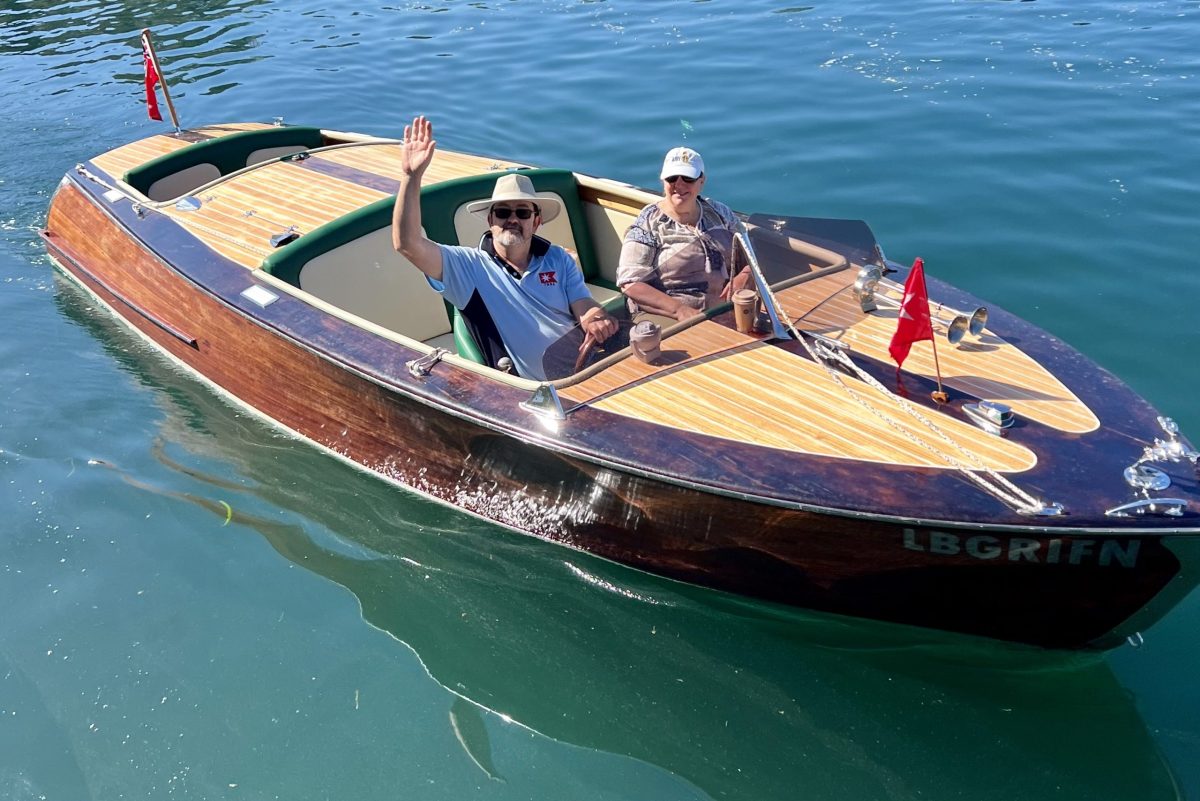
(448, 439)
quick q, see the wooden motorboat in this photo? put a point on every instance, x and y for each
(1043, 502)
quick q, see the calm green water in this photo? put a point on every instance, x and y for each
(194, 607)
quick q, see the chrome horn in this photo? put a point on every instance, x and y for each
(866, 287)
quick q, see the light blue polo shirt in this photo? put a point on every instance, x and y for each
(531, 314)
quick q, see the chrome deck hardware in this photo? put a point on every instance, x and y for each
(1172, 448)
(1144, 477)
(291, 234)
(419, 368)
(830, 350)
(544, 402)
(1047, 509)
(778, 329)
(1169, 507)
(877, 257)
(991, 416)
(866, 287)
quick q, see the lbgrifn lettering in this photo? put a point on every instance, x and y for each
(1052, 551)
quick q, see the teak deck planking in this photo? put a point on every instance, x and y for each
(1013, 377)
(274, 196)
(737, 397)
(117, 161)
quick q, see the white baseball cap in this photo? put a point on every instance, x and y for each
(682, 161)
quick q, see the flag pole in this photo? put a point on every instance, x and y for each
(161, 80)
(939, 395)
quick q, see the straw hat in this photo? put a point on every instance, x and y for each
(514, 186)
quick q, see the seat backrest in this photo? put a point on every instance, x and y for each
(182, 170)
(350, 262)
(368, 278)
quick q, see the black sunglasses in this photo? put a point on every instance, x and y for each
(673, 178)
(504, 212)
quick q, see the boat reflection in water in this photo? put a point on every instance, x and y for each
(739, 699)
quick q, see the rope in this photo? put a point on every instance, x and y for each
(994, 483)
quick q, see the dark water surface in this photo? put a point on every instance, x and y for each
(193, 606)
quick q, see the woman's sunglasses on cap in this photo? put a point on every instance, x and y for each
(504, 212)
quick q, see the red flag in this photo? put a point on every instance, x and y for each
(912, 322)
(151, 81)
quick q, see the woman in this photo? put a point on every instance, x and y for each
(676, 256)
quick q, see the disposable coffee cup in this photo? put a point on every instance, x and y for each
(745, 304)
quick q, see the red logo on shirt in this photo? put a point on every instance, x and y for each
(548, 278)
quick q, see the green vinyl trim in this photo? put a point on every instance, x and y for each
(226, 153)
(439, 203)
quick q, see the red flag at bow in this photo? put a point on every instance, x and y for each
(912, 323)
(151, 80)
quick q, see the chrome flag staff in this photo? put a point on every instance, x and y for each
(154, 77)
(913, 324)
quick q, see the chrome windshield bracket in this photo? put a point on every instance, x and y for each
(778, 329)
(419, 368)
(544, 402)
(878, 258)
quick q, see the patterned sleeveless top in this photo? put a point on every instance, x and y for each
(681, 260)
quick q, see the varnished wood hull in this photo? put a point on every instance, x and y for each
(805, 530)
